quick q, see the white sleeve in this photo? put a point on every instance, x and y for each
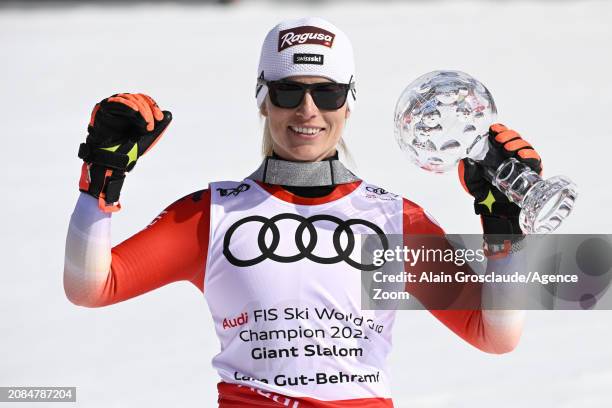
(88, 252)
(504, 326)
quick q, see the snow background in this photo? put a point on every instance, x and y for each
(546, 63)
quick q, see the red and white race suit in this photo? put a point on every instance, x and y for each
(283, 289)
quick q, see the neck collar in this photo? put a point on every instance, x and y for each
(329, 172)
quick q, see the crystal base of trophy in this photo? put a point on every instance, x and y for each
(444, 116)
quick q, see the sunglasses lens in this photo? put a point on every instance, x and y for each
(329, 96)
(289, 95)
(286, 95)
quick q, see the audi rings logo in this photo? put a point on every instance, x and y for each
(305, 249)
(379, 191)
(376, 190)
(224, 192)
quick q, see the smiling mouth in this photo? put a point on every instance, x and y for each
(304, 131)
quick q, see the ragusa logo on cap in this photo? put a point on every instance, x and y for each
(304, 35)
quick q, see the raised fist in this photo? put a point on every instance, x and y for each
(499, 215)
(121, 129)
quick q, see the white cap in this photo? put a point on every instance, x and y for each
(309, 46)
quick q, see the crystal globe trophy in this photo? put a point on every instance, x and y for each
(444, 116)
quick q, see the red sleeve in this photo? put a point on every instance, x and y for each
(173, 247)
(467, 324)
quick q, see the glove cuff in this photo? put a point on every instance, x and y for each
(497, 225)
(502, 235)
(104, 184)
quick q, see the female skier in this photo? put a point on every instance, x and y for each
(267, 251)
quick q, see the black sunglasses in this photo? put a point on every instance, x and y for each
(289, 94)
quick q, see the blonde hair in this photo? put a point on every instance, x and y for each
(266, 144)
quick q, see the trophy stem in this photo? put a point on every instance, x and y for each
(544, 203)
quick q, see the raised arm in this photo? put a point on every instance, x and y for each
(492, 331)
(173, 247)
